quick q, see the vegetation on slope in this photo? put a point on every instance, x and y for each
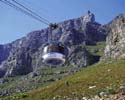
(104, 77)
(45, 76)
(98, 49)
(33, 81)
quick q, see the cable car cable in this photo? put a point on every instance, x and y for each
(53, 53)
(26, 8)
(23, 11)
(31, 14)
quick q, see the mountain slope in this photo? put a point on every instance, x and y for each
(101, 78)
(115, 41)
(25, 55)
(47, 75)
(22, 68)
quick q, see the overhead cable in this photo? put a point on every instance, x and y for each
(30, 10)
(26, 11)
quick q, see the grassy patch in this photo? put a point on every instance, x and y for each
(97, 50)
(89, 82)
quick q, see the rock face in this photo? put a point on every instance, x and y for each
(80, 57)
(89, 17)
(115, 42)
(25, 55)
(4, 52)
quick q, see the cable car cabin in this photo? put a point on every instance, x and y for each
(54, 54)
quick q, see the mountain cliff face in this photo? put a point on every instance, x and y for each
(4, 49)
(115, 42)
(25, 55)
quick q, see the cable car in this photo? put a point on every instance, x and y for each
(54, 54)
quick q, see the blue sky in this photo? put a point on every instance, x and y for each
(14, 24)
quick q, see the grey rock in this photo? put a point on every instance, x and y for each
(4, 52)
(115, 41)
(89, 17)
(25, 55)
(79, 57)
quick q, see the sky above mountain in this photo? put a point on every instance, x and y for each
(14, 24)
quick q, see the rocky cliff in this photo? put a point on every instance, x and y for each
(115, 42)
(25, 55)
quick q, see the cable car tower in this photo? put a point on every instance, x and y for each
(54, 52)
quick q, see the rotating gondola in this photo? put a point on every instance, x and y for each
(54, 53)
